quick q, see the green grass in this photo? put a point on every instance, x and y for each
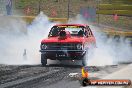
(118, 12)
(123, 22)
(60, 7)
(115, 7)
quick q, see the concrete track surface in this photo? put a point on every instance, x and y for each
(51, 76)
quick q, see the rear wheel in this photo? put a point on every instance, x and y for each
(43, 60)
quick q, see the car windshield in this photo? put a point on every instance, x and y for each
(74, 30)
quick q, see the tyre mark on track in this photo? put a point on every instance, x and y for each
(47, 73)
(26, 80)
(48, 79)
(54, 78)
(38, 76)
(19, 73)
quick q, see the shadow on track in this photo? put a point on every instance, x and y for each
(63, 65)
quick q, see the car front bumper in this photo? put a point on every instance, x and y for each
(63, 54)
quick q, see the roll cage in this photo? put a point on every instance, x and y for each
(83, 31)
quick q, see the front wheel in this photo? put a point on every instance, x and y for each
(43, 60)
(84, 59)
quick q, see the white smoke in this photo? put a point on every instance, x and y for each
(18, 46)
(108, 51)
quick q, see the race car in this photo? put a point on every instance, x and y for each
(67, 42)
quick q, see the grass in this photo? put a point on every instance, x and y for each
(115, 7)
(60, 7)
(123, 23)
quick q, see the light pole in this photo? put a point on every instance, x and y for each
(68, 9)
(98, 10)
(39, 6)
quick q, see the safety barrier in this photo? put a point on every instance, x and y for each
(29, 19)
(117, 33)
(107, 30)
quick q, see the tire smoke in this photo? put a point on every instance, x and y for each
(20, 43)
(109, 51)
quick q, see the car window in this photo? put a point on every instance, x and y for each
(54, 32)
(74, 31)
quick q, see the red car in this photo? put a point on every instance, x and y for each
(67, 42)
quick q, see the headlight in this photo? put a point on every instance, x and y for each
(79, 46)
(43, 46)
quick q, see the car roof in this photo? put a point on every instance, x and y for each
(71, 25)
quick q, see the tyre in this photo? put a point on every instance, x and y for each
(88, 55)
(43, 60)
(84, 60)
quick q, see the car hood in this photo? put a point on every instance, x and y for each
(66, 40)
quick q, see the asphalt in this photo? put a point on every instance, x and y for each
(51, 76)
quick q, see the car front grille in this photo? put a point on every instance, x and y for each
(62, 46)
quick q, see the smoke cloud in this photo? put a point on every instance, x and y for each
(109, 51)
(20, 43)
